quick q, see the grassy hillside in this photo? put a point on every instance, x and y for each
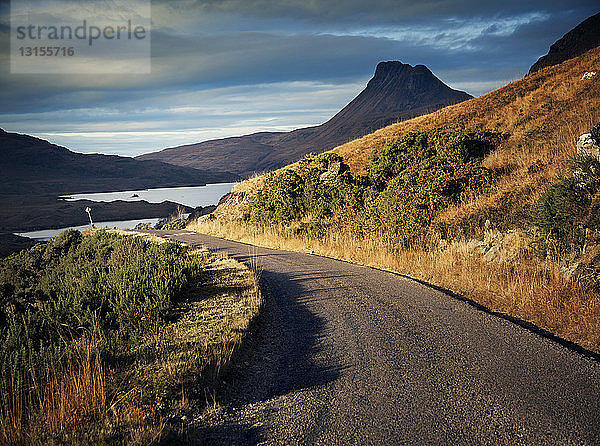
(113, 339)
(479, 197)
(541, 115)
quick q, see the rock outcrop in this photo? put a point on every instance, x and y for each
(333, 172)
(587, 145)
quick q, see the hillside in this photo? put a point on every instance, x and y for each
(396, 92)
(580, 39)
(483, 198)
(541, 116)
(35, 172)
(33, 166)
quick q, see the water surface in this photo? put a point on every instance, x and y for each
(192, 196)
(46, 234)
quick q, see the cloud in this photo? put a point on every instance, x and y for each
(224, 68)
(168, 119)
(348, 13)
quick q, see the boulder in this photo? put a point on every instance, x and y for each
(331, 174)
(587, 145)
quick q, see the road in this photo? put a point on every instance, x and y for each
(345, 354)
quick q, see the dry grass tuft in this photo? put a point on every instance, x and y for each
(64, 400)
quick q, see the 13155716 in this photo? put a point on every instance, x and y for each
(47, 51)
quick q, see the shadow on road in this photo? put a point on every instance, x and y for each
(276, 360)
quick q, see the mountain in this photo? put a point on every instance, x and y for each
(580, 39)
(34, 172)
(32, 166)
(396, 92)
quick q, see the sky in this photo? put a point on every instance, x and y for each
(222, 68)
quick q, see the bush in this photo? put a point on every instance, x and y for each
(570, 208)
(113, 289)
(421, 174)
(144, 226)
(419, 149)
(177, 224)
(408, 184)
(280, 198)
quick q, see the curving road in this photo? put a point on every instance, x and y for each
(345, 354)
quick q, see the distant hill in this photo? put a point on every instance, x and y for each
(34, 172)
(580, 39)
(396, 92)
(32, 166)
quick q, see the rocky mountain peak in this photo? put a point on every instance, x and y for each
(395, 70)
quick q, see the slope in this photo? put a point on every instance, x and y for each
(541, 117)
(32, 166)
(396, 92)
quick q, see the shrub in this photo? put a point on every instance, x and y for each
(408, 184)
(144, 226)
(57, 298)
(177, 224)
(419, 149)
(280, 198)
(570, 207)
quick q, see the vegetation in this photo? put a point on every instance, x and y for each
(408, 184)
(570, 209)
(103, 336)
(511, 224)
(179, 223)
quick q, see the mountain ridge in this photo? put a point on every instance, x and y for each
(35, 166)
(577, 41)
(396, 92)
(35, 172)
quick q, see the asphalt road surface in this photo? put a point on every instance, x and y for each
(344, 354)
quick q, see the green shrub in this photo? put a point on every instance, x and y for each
(111, 288)
(570, 208)
(143, 226)
(421, 149)
(280, 198)
(408, 183)
(177, 224)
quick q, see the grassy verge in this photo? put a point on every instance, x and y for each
(116, 339)
(515, 283)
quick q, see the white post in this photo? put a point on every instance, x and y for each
(89, 212)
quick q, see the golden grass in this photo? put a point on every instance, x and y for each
(518, 284)
(65, 399)
(213, 318)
